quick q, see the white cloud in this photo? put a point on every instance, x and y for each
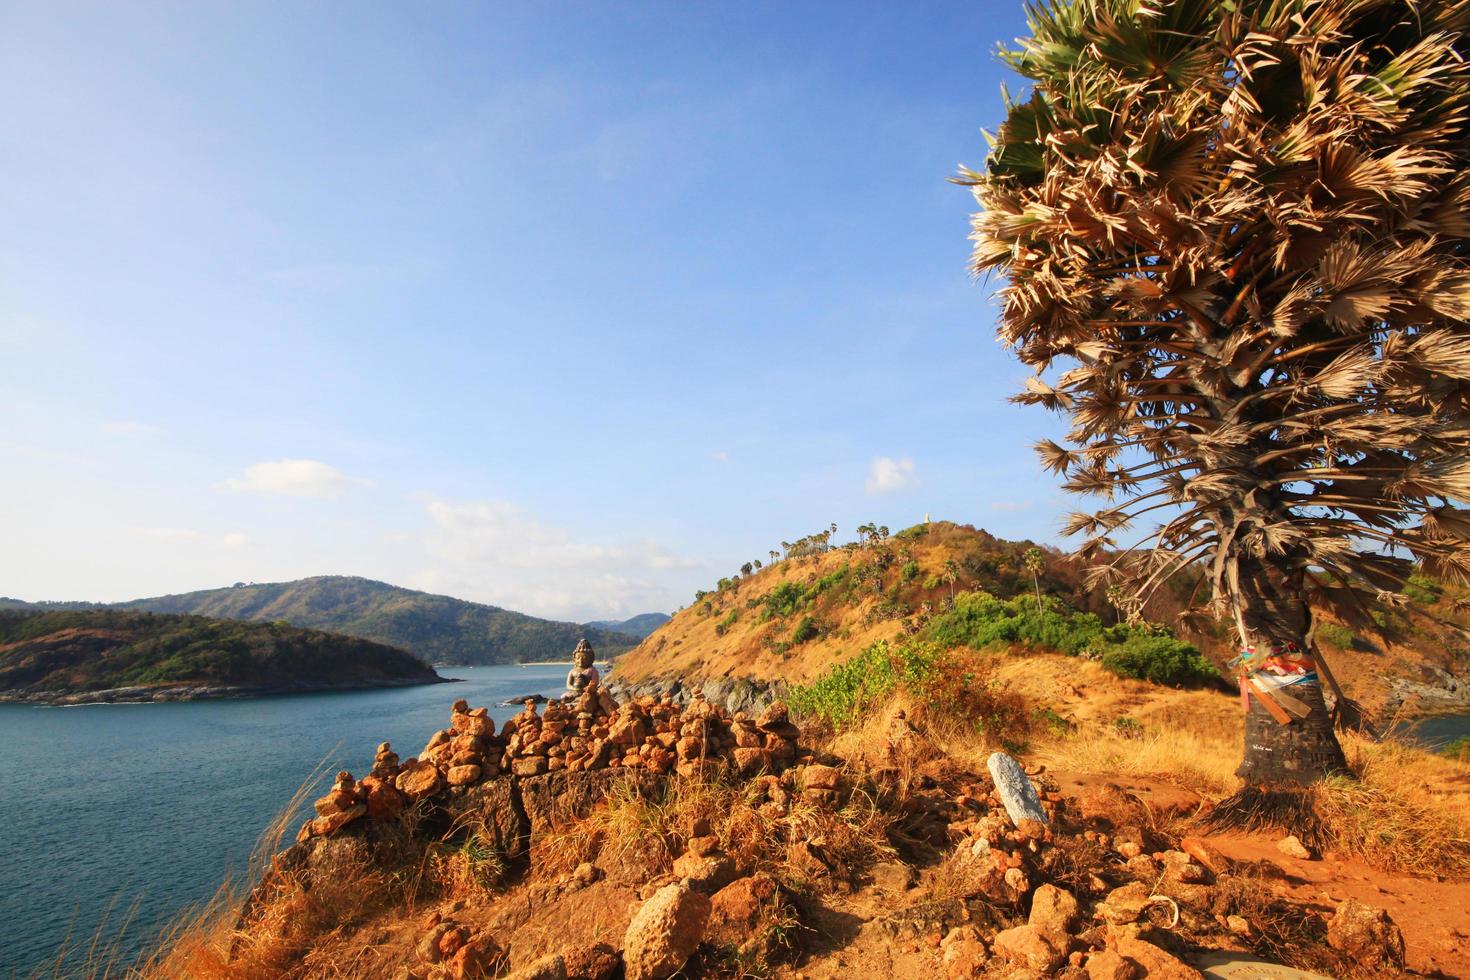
(496, 552)
(720, 456)
(296, 478)
(232, 541)
(128, 427)
(889, 475)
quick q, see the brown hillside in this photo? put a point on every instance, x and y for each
(794, 619)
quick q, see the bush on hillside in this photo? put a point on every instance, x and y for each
(954, 687)
(1160, 659)
(980, 620)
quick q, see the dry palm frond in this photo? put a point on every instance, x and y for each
(1243, 227)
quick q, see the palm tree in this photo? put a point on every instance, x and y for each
(1117, 596)
(1034, 561)
(775, 556)
(1242, 228)
(951, 574)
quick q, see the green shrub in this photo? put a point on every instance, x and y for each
(980, 620)
(909, 571)
(845, 692)
(1337, 635)
(954, 686)
(805, 630)
(724, 625)
(1423, 590)
(1458, 749)
(783, 600)
(933, 582)
(1160, 659)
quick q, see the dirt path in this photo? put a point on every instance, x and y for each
(1434, 915)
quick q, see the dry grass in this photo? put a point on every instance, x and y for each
(653, 831)
(1407, 811)
(1199, 762)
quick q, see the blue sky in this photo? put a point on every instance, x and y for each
(569, 308)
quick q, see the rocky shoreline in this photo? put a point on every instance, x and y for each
(191, 692)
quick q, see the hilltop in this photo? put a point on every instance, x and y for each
(796, 618)
(438, 628)
(123, 655)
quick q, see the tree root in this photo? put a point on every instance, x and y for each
(1292, 810)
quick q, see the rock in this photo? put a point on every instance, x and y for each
(774, 716)
(1367, 935)
(452, 940)
(597, 962)
(1292, 847)
(475, 960)
(585, 874)
(1108, 965)
(1028, 948)
(1013, 787)
(1206, 854)
(462, 775)
(962, 952)
(1053, 911)
(737, 909)
(550, 967)
(1126, 904)
(532, 765)
(816, 776)
(428, 947)
(893, 877)
(418, 782)
(706, 874)
(1239, 925)
(664, 932)
(330, 824)
(491, 808)
(1155, 963)
(471, 724)
(335, 802)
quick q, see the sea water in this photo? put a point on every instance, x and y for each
(108, 805)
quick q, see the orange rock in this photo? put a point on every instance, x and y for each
(749, 761)
(462, 775)
(328, 825)
(817, 776)
(1027, 947)
(335, 802)
(1205, 853)
(419, 782)
(1154, 962)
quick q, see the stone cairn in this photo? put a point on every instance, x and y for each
(588, 732)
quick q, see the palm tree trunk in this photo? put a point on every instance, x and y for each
(1297, 754)
(1271, 607)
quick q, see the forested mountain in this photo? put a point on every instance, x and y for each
(50, 655)
(438, 628)
(637, 627)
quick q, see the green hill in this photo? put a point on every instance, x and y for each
(438, 628)
(637, 627)
(143, 656)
